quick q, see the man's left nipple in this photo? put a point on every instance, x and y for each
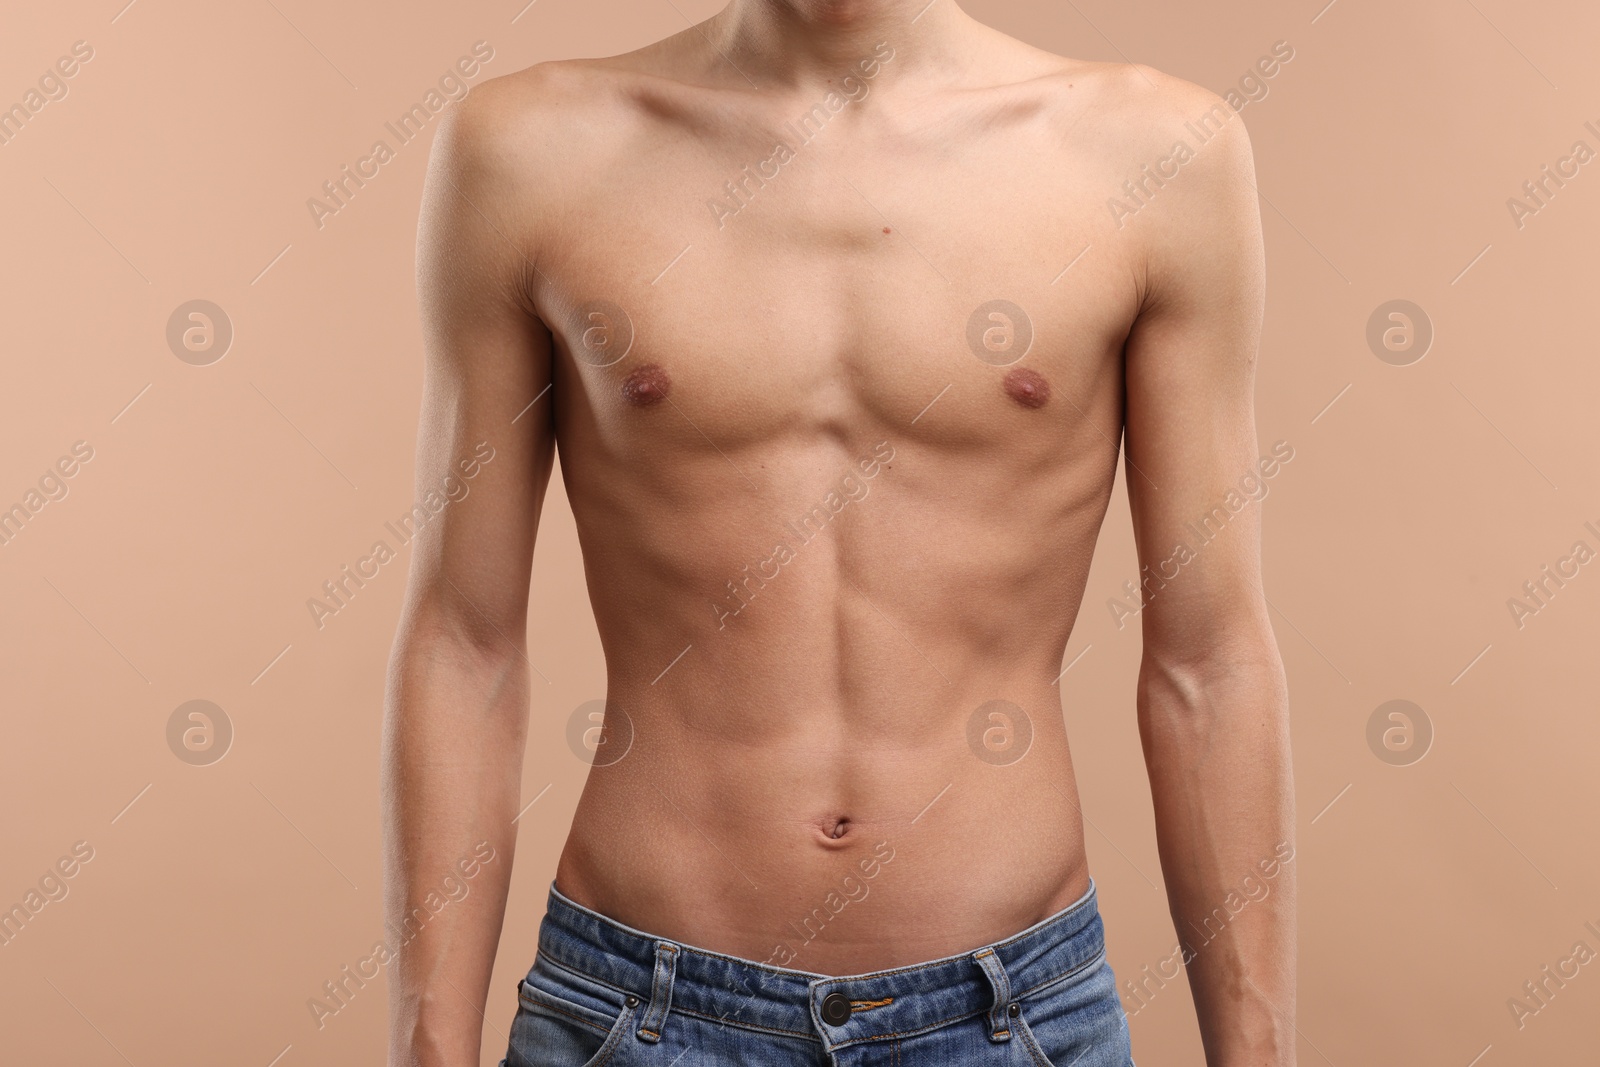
(1026, 387)
(647, 385)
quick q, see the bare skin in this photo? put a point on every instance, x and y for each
(825, 518)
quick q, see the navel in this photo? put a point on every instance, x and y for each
(834, 828)
(1026, 387)
(647, 385)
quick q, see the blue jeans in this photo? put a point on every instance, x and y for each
(601, 993)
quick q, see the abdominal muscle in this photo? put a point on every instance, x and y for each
(818, 846)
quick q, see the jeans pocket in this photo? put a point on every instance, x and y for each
(565, 1021)
(1077, 1021)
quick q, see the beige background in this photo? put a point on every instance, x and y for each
(220, 898)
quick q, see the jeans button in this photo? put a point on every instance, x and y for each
(835, 1009)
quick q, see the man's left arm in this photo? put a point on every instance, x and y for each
(1212, 700)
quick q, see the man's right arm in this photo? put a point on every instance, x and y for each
(456, 707)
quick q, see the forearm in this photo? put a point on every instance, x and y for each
(454, 728)
(1216, 742)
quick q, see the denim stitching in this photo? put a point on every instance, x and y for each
(727, 1021)
(868, 1005)
(614, 1036)
(534, 1004)
(1099, 957)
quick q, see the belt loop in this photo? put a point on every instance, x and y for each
(660, 992)
(999, 1019)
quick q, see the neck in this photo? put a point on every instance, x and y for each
(790, 43)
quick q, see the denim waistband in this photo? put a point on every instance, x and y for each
(672, 977)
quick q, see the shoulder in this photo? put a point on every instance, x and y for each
(1132, 114)
(505, 161)
(546, 113)
(1175, 164)
(1171, 164)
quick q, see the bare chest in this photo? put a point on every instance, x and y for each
(772, 286)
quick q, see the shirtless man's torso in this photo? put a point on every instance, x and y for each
(830, 316)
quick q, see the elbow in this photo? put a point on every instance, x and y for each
(1221, 681)
(436, 642)
(1197, 710)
